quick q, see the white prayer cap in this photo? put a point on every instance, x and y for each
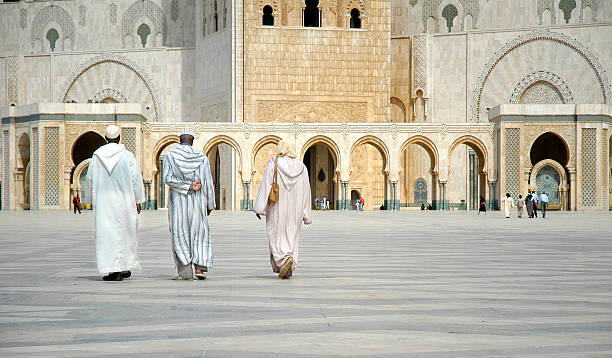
(187, 131)
(112, 132)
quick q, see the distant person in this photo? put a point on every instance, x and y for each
(76, 203)
(422, 206)
(326, 204)
(535, 199)
(190, 201)
(429, 207)
(361, 203)
(357, 204)
(529, 205)
(483, 206)
(116, 190)
(323, 205)
(543, 203)
(508, 205)
(520, 204)
(316, 203)
(284, 217)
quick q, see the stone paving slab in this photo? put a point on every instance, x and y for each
(368, 284)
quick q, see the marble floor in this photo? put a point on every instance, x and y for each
(368, 284)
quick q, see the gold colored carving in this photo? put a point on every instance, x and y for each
(310, 112)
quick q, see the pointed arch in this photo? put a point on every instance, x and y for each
(227, 140)
(430, 148)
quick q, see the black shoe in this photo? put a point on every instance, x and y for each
(113, 276)
(126, 274)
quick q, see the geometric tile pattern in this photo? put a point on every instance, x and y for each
(430, 9)
(146, 9)
(82, 15)
(550, 78)
(52, 167)
(589, 167)
(128, 138)
(5, 180)
(604, 173)
(420, 191)
(35, 176)
(174, 10)
(541, 92)
(52, 13)
(12, 80)
(112, 14)
(23, 18)
(512, 161)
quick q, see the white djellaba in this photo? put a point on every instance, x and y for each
(284, 218)
(115, 188)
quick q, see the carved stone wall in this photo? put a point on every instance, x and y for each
(512, 152)
(23, 18)
(546, 5)
(310, 112)
(589, 167)
(541, 92)
(6, 170)
(35, 171)
(52, 166)
(12, 71)
(128, 138)
(560, 90)
(430, 9)
(604, 173)
(109, 93)
(419, 65)
(82, 15)
(56, 14)
(135, 13)
(112, 15)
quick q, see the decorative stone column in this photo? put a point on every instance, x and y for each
(492, 196)
(394, 201)
(343, 202)
(247, 203)
(147, 190)
(572, 192)
(161, 190)
(443, 194)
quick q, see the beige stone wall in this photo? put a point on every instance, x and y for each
(285, 66)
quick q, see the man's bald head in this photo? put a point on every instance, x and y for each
(186, 138)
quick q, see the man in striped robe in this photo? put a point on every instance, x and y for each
(191, 198)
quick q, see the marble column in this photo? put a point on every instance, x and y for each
(147, 189)
(442, 194)
(344, 191)
(492, 196)
(572, 190)
(161, 191)
(394, 201)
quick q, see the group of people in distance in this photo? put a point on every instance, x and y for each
(117, 191)
(530, 202)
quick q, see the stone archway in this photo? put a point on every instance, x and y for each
(162, 147)
(321, 157)
(412, 168)
(263, 150)
(225, 158)
(22, 173)
(550, 176)
(370, 171)
(476, 180)
(549, 150)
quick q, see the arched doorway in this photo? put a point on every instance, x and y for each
(369, 172)
(549, 156)
(22, 178)
(263, 151)
(82, 150)
(354, 196)
(321, 161)
(224, 158)
(161, 188)
(467, 178)
(418, 173)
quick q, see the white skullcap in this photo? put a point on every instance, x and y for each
(112, 132)
(187, 131)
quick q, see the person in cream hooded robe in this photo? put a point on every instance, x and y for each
(284, 218)
(116, 191)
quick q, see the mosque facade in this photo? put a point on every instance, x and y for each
(402, 102)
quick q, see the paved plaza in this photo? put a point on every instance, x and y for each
(369, 284)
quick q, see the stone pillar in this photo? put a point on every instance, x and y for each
(343, 186)
(492, 196)
(161, 190)
(147, 190)
(65, 201)
(248, 203)
(394, 201)
(443, 194)
(572, 192)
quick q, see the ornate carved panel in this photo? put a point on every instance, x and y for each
(52, 166)
(82, 15)
(135, 13)
(128, 138)
(541, 92)
(56, 14)
(420, 191)
(548, 180)
(12, 69)
(310, 112)
(23, 18)
(35, 171)
(512, 152)
(559, 91)
(419, 64)
(604, 173)
(5, 180)
(109, 93)
(589, 167)
(112, 16)
(546, 5)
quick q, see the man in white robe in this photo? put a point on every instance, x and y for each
(190, 200)
(116, 191)
(284, 218)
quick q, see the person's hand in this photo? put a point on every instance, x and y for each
(259, 217)
(197, 185)
(138, 208)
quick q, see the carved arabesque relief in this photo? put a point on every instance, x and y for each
(310, 112)
(552, 79)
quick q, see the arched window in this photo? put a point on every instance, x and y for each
(355, 19)
(567, 6)
(52, 36)
(216, 16)
(450, 13)
(311, 14)
(268, 18)
(143, 31)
